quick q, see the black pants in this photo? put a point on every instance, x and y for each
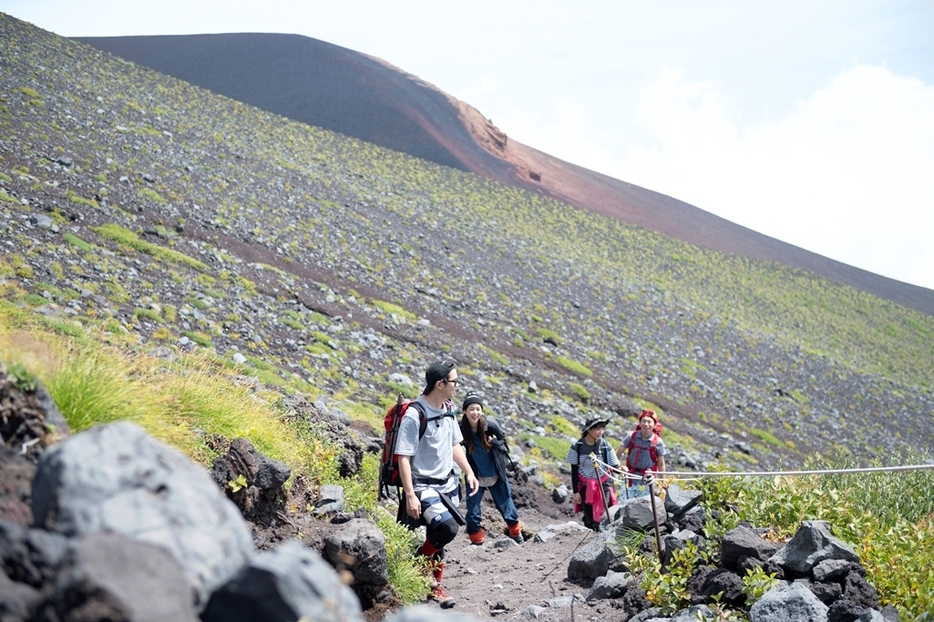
(587, 509)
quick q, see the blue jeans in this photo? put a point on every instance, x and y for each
(502, 498)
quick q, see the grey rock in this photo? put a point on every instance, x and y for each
(117, 478)
(831, 569)
(560, 494)
(744, 542)
(283, 585)
(611, 585)
(675, 541)
(794, 603)
(811, 545)
(42, 221)
(646, 615)
(118, 578)
(637, 513)
(871, 615)
(360, 549)
(331, 500)
(597, 557)
(695, 613)
(679, 501)
(890, 614)
(724, 582)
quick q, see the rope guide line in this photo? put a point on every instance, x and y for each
(699, 474)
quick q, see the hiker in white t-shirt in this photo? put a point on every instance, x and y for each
(426, 468)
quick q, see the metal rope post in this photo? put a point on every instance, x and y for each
(658, 537)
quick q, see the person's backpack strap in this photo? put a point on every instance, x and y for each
(633, 458)
(422, 419)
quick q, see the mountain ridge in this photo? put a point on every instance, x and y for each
(365, 97)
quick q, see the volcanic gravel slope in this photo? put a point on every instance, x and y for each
(137, 203)
(328, 86)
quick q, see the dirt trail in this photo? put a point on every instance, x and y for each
(501, 579)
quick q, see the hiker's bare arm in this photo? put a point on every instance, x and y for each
(661, 464)
(461, 459)
(413, 506)
(620, 450)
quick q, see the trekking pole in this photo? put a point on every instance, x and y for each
(603, 499)
(658, 537)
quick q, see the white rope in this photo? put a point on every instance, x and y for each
(698, 474)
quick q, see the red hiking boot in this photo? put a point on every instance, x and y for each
(441, 595)
(515, 532)
(476, 537)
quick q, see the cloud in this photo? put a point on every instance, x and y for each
(846, 173)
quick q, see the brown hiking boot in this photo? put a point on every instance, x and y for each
(476, 537)
(515, 532)
(441, 595)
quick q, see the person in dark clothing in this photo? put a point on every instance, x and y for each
(487, 453)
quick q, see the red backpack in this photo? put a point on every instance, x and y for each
(389, 461)
(633, 456)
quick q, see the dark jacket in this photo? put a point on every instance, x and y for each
(498, 447)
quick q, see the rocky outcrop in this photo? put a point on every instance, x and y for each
(128, 529)
(116, 478)
(819, 576)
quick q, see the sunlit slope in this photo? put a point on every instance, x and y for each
(342, 90)
(343, 262)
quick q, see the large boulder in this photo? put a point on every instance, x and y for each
(594, 559)
(743, 542)
(261, 497)
(358, 551)
(793, 603)
(612, 585)
(288, 583)
(359, 547)
(679, 501)
(108, 576)
(637, 513)
(811, 545)
(117, 478)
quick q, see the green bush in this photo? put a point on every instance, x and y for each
(888, 517)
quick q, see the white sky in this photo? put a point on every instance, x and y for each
(808, 120)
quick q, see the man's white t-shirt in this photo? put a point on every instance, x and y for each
(434, 453)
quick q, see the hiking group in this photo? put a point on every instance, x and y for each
(591, 481)
(425, 449)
